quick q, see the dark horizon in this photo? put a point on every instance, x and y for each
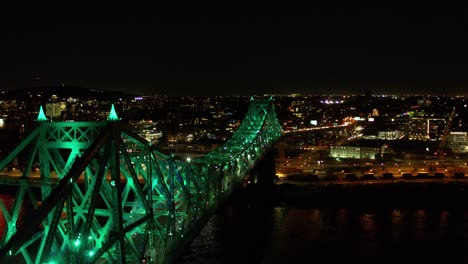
(73, 90)
(193, 48)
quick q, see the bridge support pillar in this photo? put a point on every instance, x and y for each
(280, 147)
(264, 173)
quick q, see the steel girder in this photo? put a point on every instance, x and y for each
(257, 133)
(107, 196)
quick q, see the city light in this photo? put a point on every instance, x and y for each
(210, 148)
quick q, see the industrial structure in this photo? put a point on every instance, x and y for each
(95, 192)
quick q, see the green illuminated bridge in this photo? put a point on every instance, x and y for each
(93, 192)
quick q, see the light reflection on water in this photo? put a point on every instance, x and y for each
(252, 233)
(288, 234)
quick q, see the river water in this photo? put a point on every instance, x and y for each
(250, 232)
(246, 230)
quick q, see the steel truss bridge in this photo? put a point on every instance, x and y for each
(102, 194)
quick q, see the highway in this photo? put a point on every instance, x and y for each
(399, 180)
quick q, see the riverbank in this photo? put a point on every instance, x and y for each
(374, 194)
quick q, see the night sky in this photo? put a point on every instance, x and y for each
(238, 48)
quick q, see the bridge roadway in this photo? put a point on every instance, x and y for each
(15, 178)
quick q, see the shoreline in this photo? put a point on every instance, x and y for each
(419, 194)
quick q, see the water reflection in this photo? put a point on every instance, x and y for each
(288, 234)
(397, 221)
(417, 224)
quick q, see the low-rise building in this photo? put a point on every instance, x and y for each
(351, 152)
(458, 141)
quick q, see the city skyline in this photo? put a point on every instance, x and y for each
(196, 49)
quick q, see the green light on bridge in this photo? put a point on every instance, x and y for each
(184, 193)
(41, 117)
(113, 115)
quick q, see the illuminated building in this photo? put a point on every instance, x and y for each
(390, 134)
(351, 152)
(422, 128)
(458, 141)
(55, 109)
(147, 130)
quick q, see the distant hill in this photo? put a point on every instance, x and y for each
(62, 92)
